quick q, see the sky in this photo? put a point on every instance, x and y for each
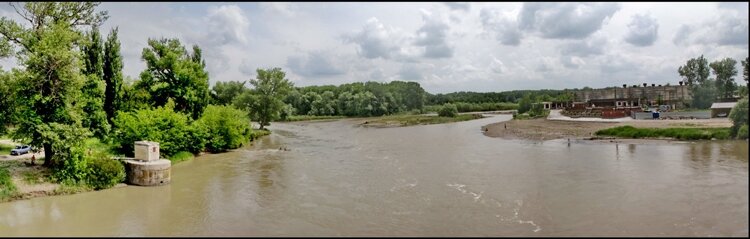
(446, 47)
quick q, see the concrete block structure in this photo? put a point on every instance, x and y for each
(146, 150)
(147, 169)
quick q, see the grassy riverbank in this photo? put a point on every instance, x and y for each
(628, 131)
(408, 120)
(544, 129)
(312, 117)
(20, 180)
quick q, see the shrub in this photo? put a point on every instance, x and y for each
(739, 116)
(7, 188)
(163, 125)
(677, 133)
(448, 110)
(742, 132)
(181, 156)
(226, 127)
(105, 173)
(74, 168)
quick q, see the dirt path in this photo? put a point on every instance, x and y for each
(544, 129)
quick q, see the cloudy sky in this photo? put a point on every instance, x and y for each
(446, 47)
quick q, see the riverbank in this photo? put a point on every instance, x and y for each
(26, 181)
(545, 129)
(409, 120)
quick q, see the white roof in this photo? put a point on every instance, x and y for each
(723, 105)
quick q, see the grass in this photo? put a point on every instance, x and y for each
(5, 149)
(36, 176)
(181, 156)
(676, 133)
(7, 188)
(72, 188)
(312, 117)
(407, 120)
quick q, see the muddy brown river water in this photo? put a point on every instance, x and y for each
(338, 179)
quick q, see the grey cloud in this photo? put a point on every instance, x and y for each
(409, 72)
(314, 64)
(643, 30)
(463, 6)
(506, 30)
(569, 62)
(729, 28)
(583, 48)
(246, 67)
(565, 20)
(432, 36)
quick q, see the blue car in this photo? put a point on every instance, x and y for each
(21, 149)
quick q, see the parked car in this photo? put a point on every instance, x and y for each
(20, 149)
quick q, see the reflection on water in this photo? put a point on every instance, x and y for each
(337, 179)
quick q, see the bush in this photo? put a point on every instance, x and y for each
(181, 156)
(742, 132)
(105, 173)
(739, 116)
(7, 188)
(448, 110)
(170, 129)
(226, 127)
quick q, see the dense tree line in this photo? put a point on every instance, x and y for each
(69, 89)
(706, 89)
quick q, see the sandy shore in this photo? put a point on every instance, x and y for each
(544, 129)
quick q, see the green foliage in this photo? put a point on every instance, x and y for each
(7, 100)
(134, 98)
(181, 156)
(46, 48)
(7, 187)
(112, 75)
(407, 120)
(264, 102)
(695, 71)
(173, 73)
(95, 118)
(226, 127)
(739, 116)
(357, 99)
(475, 107)
(742, 132)
(677, 133)
(525, 103)
(75, 167)
(5, 149)
(448, 110)
(162, 124)
(725, 71)
(224, 92)
(704, 94)
(105, 172)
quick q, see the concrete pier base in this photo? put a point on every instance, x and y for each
(148, 173)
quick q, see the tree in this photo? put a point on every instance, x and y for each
(7, 100)
(224, 92)
(95, 118)
(695, 71)
(725, 72)
(173, 73)
(695, 74)
(47, 109)
(270, 88)
(745, 74)
(112, 70)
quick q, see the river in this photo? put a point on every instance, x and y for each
(338, 179)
